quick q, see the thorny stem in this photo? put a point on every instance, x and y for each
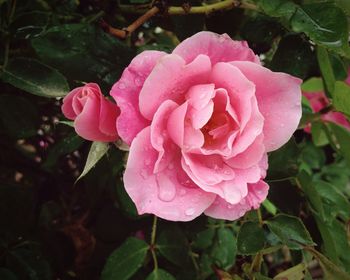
(172, 10)
(153, 242)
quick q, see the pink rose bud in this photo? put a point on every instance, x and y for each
(200, 122)
(319, 101)
(94, 116)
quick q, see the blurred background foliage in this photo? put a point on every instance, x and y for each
(54, 227)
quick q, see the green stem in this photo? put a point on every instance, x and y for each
(153, 242)
(96, 17)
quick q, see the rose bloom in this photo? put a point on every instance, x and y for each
(200, 122)
(94, 116)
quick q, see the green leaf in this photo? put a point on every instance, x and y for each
(97, 151)
(341, 97)
(293, 56)
(330, 270)
(341, 138)
(319, 134)
(125, 260)
(345, 5)
(224, 248)
(325, 23)
(251, 239)
(18, 116)
(84, 52)
(283, 163)
(160, 274)
(293, 273)
(204, 238)
(173, 245)
(290, 230)
(278, 8)
(326, 68)
(35, 77)
(312, 85)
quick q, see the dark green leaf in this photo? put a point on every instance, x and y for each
(35, 77)
(251, 238)
(290, 230)
(293, 56)
(173, 245)
(278, 8)
(325, 23)
(160, 274)
(341, 97)
(6, 274)
(326, 68)
(283, 163)
(125, 260)
(224, 248)
(319, 134)
(204, 238)
(84, 53)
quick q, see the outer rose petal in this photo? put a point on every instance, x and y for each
(108, 115)
(162, 194)
(220, 209)
(170, 79)
(220, 48)
(279, 101)
(67, 108)
(126, 93)
(86, 123)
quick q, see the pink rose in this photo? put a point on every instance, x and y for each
(200, 122)
(318, 101)
(94, 116)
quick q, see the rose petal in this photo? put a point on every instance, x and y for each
(170, 79)
(220, 209)
(126, 93)
(108, 115)
(220, 48)
(279, 101)
(162, 194)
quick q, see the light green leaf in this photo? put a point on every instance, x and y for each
(341, 139)
(125, 260)
(341, 97)
(97, 151)
(319, 135)
(270, 207)
(293, 273)
(312, 85)
(160, 274)
(326, 68)
(35, 77)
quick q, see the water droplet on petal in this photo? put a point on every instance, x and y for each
(182, 192)
(121, 86)
(189, 211)
(229, 206)
(138, 81)
(167, 189)
(171, 166)
(147, 161)
(144, 173)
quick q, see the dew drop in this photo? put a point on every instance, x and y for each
(182, 192)
(229, 206)
(138, 81)
(144, 173)
(189, 211)
(167, 189)
(147, 161)
(121, 86)
(171, 166)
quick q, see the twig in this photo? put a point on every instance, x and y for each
(173, 10)
(181, 10)
(123, 33)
